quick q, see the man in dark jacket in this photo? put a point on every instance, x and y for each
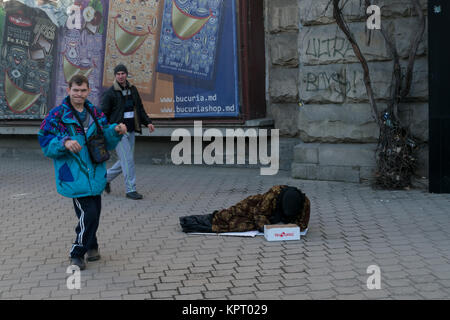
(121, 103)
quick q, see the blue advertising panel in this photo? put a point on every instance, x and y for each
(198, 48)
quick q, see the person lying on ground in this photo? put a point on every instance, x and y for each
(280, 204)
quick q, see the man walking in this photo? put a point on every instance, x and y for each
(122, 103)
(61, 138)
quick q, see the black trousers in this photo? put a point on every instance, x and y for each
(88, 213)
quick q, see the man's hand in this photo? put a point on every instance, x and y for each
(121, 128)
(73, 146)
(151, 127)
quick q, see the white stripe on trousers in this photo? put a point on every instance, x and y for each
(83, 228)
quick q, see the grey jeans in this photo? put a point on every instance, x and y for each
(125, 164)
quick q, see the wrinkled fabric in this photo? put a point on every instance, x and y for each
(252, 213)
(255, 211)
(75, 173)
(113, 106)
(197, 223)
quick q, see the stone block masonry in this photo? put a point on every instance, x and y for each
(318, 81)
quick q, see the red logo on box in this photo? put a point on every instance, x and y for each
(284, 234)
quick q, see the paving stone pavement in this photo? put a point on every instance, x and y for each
(146, 256)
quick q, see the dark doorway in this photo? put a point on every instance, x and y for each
(439, 92)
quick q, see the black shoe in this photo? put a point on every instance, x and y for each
(78, 261)
(134, 195)
(108, 188)
(93, 255)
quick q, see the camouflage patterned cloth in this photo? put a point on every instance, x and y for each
(254, 212)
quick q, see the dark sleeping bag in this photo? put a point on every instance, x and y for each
(197, 223)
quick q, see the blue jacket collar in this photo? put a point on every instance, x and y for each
(68, 116)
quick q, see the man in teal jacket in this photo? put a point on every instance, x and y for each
(61, 138)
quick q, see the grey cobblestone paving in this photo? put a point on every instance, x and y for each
(146, 256)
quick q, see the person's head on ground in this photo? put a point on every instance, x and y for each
(292, 204)
(78, 90)
(121, 74)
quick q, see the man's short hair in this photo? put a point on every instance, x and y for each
(78, 79)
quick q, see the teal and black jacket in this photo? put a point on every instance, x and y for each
(75, 174)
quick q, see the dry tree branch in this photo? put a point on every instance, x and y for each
(413, 49)
(396, 81)
(399, 92)
(396, 74)
(395, 151)
(337, 14)
(328, 4)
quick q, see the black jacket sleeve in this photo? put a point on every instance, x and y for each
(145, 119)
(107, 104)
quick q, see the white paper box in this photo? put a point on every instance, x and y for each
(281, 232)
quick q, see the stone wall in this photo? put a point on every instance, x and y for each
(282, 30)
(315, 82)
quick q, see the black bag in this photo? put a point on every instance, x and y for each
(96, 143)
(197, 223)
(97, 148)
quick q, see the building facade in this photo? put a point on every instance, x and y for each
(315, 87)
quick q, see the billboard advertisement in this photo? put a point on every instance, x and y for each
(26, 62)
(180, 54)
(80, 50)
